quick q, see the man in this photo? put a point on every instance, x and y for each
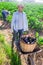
(19, 24)
(5, 13)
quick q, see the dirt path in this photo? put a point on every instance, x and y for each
(7, 33)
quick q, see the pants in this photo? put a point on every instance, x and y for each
(17, 38)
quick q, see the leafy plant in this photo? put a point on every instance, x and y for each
(10, 53)
(2, 38)
(40, 41)
(37, 35)
(9, 18)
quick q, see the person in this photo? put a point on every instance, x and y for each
(5, 13)
(19, 24)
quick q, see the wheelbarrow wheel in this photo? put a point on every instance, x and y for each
(30, 60)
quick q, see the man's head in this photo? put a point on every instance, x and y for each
(20, 7)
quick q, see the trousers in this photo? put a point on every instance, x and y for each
(17, 38)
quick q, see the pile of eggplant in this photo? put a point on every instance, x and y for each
(29, 40)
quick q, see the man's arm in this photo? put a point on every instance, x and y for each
(13, 23)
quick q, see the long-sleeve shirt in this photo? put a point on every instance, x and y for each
(19, 21)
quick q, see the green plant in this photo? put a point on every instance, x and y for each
(2, 38)
(9, 52)
(40, 41)
(15, 58)
(0, 15)
(37, 35)
(3, 58)
(7, 48)
(9, 18)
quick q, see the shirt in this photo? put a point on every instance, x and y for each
(19, 21)
(5, 13)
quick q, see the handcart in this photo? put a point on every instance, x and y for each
(29, 49)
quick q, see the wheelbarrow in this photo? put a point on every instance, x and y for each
(29, 49)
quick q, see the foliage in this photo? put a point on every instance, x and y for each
(2, 38)
(13, 56)
(40, 40)
(37, 35)
(34, 13)
(2, 55)
(9, 18)
(7, 48)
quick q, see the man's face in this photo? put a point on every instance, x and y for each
(20, 8)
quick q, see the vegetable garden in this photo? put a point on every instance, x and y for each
(34, 14)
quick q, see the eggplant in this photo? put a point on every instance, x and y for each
(29, 40)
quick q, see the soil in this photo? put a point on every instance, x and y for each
(5, 29)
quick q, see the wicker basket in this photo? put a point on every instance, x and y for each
(27, 47)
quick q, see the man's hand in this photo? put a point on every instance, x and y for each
(12, 32)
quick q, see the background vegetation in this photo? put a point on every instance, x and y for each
(34, 13)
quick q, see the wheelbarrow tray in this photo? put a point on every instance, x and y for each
(36, 50)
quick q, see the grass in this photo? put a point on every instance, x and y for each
(3, 57)
(9, 52)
